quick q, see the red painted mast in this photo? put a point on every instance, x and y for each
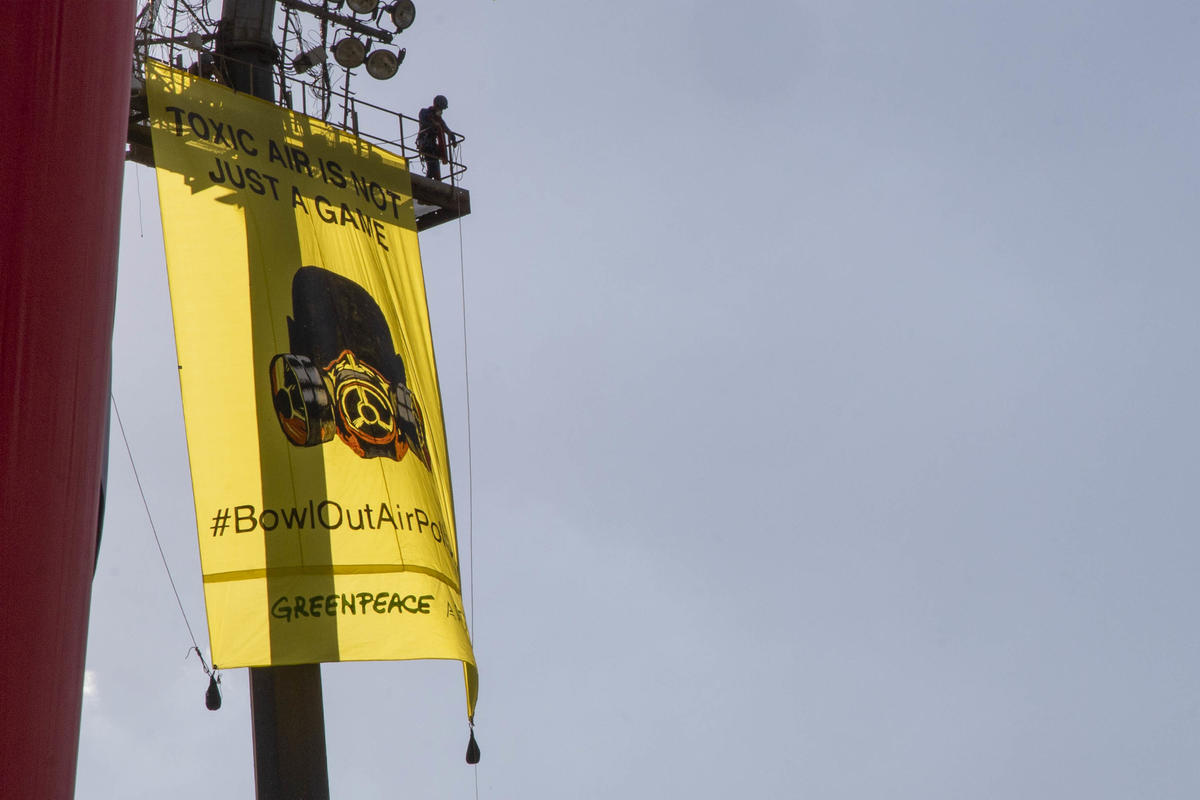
(65, 96)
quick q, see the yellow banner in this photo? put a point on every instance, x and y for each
(310, 393)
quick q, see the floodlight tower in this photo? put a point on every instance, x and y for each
(246, 56)
(286, 701)
(290, 758)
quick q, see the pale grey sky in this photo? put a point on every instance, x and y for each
(833, 375)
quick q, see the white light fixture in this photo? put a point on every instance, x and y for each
(382, 64)
(349, 52)
(403, 13)
(363, 6)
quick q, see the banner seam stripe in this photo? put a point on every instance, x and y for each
(339, 569)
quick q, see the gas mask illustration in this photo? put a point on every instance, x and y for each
(343, 376)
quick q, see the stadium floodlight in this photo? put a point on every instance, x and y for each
(349, 52)
(382, 64)
(403, 13)
(363, 6)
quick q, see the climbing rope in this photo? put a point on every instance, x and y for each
(212, 697)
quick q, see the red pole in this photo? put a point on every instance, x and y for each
(64, 103)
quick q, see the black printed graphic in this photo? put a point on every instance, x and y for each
(343, 375)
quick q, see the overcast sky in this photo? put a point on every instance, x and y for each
(833, 396)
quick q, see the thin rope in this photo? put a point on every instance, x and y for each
(154, 530)
(137, 181)
(462, 284)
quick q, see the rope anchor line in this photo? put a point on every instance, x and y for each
(212, 696)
